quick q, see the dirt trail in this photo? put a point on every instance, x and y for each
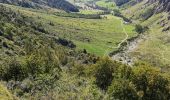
(124, 40)
(125, 47)
(123, 53)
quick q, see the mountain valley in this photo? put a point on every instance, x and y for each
(85, 49)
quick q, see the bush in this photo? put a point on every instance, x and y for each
(139, 28)
(42, 61)
(9, 33)
(105, 70)
(13, 70)
(151, 83)
(122, 89)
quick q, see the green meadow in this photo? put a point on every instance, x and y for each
(106, 4)
(97, 36)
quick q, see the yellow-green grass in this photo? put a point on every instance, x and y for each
(82, 11)
(5, 94)
(131, 11)
(156, 47)
(94, 35)
(137, 10)
(106, 4)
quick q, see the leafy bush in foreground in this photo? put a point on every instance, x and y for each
(105, 70)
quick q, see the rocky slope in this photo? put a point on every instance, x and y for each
(160, 5)
(59, 4)
(121, 2)
(164, 5)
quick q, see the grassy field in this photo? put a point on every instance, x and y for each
(90, 11)
(94, 35)
(106, 4)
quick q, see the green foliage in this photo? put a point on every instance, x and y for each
(122, 89)
(148, 13)
(51, 71)
(79, 15)
(71, 86)
(13, 70)
(144, 83)
(124, 72)
(117, 12)
(104, 74)
(42, 61)
(151, 83)
(140, 29)
(9, 33)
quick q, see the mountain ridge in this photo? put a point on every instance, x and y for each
(59, 4)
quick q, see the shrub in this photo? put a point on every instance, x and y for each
(9, 34)
(13, 70)
(151, 83)
(139, 28)
(122, 89)
(42, 61)
(105, 70)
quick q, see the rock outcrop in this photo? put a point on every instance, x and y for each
(161, 5)
(164, 5)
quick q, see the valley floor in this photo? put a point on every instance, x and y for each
(98, 36)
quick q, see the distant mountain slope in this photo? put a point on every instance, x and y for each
(159, 5)
(121, 2)
(144, 9)
(164, 5)
(154, 14)
(60, 4)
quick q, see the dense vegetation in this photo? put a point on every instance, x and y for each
(39, 58)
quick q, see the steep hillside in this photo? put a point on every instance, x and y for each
(60, 4)
(47, 55)
(121, 2)
(160, 5)
(153, 14)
